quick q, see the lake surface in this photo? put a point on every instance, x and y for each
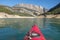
(16, 29)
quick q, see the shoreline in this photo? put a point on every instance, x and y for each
(5, 15)
(53, 16)
(48, 16)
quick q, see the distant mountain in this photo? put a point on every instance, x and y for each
(23, 10)
(6, 9)
(9, 10)
(55, 9)
(29, 8)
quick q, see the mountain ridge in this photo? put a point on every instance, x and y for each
(23, 9)
(29, 8)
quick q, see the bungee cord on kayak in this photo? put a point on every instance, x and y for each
(34, 34)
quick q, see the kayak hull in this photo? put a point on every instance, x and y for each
(36, 30)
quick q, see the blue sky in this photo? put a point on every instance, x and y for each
(45, 3)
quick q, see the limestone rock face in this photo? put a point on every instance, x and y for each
(29, 8)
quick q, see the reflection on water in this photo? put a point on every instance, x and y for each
(16, 29)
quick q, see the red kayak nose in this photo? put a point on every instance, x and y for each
(34, 34)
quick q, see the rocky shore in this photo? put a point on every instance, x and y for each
(5, 15)
(53, 16)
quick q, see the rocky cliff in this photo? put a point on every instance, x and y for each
(22, 10)
(29, 8)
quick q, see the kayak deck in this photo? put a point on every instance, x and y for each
(34, 34)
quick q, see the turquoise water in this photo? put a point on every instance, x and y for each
(16, 29)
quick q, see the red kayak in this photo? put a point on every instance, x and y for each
(34, 34)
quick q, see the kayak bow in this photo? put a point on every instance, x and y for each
(34, 34)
